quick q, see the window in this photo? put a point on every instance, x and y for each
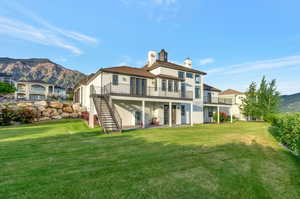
(197, 92)
(115, 79)
(155, 85)
(182, 110)
(189, 75)
(170, 85)
(197, 79)
(164, 85)
(175, 86)
(180, 74)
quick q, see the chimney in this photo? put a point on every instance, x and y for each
(188, 63)
(163, 55)
(152, 56)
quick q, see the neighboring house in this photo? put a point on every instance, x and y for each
(35, 90)
(236, 97)
(160, 93)
(4, 77)
(228, 101)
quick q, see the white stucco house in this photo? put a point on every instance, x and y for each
(35, 90)
(160, 93)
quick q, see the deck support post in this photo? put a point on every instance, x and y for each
(143, 114)
(231, 115)
(191, 117)
(218, 114)
(91, 113)
(170, 114)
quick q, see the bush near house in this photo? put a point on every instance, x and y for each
(286, 129)
(223, 117)
(8, 115)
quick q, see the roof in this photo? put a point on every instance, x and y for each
(210, 88)
(231, 92)
(34, 81)
(166, 64)
(126, 70)
(169, 77)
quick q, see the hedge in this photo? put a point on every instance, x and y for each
(286, 129)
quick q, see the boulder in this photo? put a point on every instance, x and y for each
(44, 118)
(46, 113)
(76, 107)
(55, 104)
(74, 115)
(67, 104)
(60, 111)
(68, 109)
(56, 117)
(41, 104)
(24, 104)
(66, 115)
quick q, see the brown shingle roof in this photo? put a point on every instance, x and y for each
(210, 88)
(169, 77)
(126, 70)
(165, 64)
(231, 92)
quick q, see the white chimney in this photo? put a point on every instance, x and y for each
(188, 63)
(152, 56)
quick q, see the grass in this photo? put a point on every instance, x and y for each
(65, 159)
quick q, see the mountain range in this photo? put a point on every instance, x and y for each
(40, 69)
(290, 103)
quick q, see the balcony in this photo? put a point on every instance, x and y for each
(152, 92)
(38, 91)
(217, 100)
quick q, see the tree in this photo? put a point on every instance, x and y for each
(261, 103)
(249, 107)
(6, 88)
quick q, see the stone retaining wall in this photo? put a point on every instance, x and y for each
(51, 110)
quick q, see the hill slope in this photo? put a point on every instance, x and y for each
(290, 103)
(40, 69)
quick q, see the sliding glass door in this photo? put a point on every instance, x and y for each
(138, 86)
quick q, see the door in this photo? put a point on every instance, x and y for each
(174, 107)
(209, 98)
(138, 118)
(166, 114)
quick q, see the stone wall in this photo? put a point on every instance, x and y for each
(52, 110)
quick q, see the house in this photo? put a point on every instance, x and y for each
(160, 93)
(35, 90)
(228, 101)
(237, 101)
(7, 78)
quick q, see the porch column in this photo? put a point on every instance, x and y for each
(192, 110)
(170, 114)
(143, 114)
(231, 115)
(91, 114)
(218, 114)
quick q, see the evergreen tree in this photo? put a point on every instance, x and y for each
(6, 88)
(249, 106)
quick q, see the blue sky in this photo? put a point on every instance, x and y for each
(236, 42)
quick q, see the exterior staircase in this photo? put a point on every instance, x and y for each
(108, 117)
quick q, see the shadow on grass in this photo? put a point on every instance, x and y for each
(90, 165)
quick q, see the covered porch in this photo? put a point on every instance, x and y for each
(215, 109)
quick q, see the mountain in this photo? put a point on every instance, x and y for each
(290, 103)
(40, 69)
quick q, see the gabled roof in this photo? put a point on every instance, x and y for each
(126, 70)
(210, 88)
(231, 92)
(166, 64)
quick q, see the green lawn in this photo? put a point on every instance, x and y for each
(65, 159)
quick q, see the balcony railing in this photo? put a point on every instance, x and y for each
(217, 100)
(37, 91)
(127, 90)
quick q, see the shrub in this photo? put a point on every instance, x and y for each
(286, 129)
(7, 115)
(26, 115)
(223, 117)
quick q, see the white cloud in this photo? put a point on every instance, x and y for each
(164, 2)
(129, 61)
(258, 65)
(43, 33)
(206, 61)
